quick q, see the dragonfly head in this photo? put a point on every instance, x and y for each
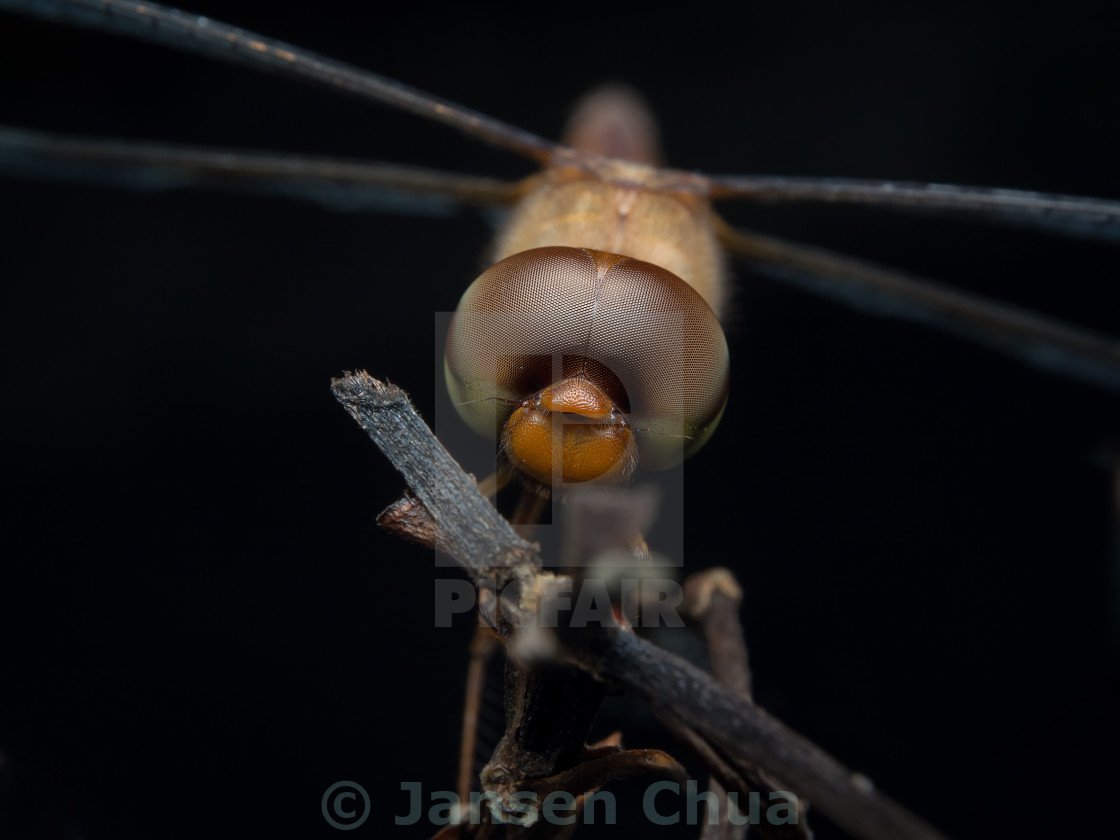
(585, 364)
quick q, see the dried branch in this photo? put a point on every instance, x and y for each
(745, 734)
(712, 598)
(473, 532)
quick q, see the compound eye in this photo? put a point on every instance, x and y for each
(646, 343)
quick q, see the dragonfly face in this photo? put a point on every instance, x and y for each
(921, 519)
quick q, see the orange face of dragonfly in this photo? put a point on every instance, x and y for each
(584, 363)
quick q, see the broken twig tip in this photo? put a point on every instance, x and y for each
(360, 387)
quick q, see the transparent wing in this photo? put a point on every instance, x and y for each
(339, 184)
(193, 33)
(1036, 339)
(1089, 217)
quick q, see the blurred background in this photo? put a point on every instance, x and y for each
(206, 628)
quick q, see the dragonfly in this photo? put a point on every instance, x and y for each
(182, 284)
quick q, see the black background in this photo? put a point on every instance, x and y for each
(206, 629)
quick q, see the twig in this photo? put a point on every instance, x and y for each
(712, 598)
(474, 533)
(482, 648)
(746, 736)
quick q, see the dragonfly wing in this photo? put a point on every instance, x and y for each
(1044, 342)
(1092, 218)
(347, 185)
(197, 34)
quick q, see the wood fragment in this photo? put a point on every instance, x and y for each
(474, 533)
(483, 542)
